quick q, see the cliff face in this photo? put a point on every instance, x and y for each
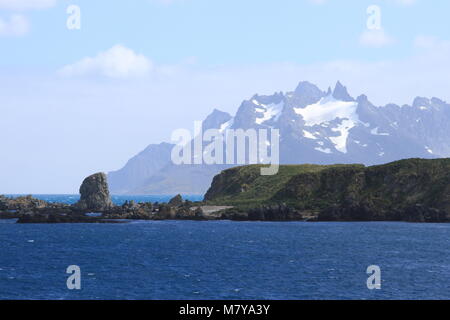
(407, 190)
(245, 184)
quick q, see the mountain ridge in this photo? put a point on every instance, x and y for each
(321, 127)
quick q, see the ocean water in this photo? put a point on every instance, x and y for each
(224, 260)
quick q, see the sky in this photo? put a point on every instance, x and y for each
(85, 85)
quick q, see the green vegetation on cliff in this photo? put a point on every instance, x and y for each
(412, 189)
(246, 186)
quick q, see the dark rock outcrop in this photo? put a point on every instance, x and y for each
(279, 212)
(94, 194)
(416, 213)
(176, 201)
(20, 203)
(61, 218)
(11, 208)
(3, 203)
(165, 212)
(421, 213)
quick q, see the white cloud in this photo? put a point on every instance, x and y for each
(15, 25)
(116, 62)
(375, 38)
(425, 73)
(26, 4)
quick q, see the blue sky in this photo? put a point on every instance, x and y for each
(73, 102)
(221, 32)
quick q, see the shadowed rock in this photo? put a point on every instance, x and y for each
(176, 201)
(94, 194)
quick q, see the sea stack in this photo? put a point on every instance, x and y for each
(94, 194)
(176, 201)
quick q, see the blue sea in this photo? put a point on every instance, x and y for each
(224, 260)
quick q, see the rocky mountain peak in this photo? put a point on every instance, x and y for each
(306, 88)
(215, 119)
(305, 94)
(362, 99)
(421, 102)
(435, 100)
(340, 93)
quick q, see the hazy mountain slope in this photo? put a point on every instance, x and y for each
(140, 168)
(182, 179)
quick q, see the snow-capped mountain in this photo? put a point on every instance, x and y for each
(322, 127)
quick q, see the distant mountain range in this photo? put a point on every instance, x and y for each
(316, 127)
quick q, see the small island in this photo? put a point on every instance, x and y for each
(412, 190)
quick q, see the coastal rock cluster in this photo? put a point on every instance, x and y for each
(28, 206)
(95, 206)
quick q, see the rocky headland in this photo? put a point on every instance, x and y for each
(413, 190)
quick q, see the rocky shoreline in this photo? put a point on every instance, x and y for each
(30, 210)
(413, 190)
(95, 206)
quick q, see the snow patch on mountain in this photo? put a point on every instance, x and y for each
(309, 135)
(268, 112)
(343, 129)
(329, 109)
(323, 150)
(376, 133)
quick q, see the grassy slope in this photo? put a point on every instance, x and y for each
(315, 187)
(245, 186)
